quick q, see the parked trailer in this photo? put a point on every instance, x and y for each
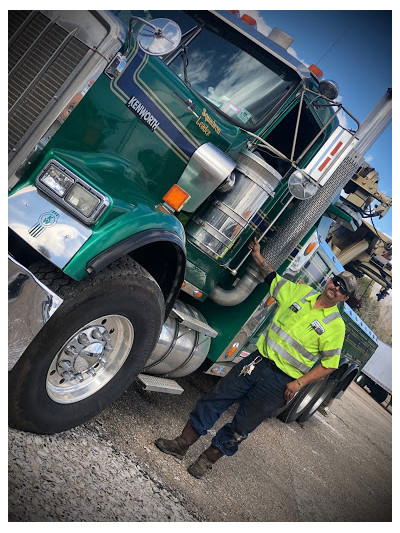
(376, 373)
(135, 186)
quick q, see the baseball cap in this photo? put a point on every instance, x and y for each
(349, 280)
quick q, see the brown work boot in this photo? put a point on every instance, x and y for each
(205, 462)
(179, 446)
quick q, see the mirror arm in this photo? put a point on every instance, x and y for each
(157, 31)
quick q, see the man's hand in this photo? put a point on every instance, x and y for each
(291, 389)
(254, 246)
(318, 372)
(261, 263)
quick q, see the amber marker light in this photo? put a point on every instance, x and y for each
(232, 350)
(270, 301)
(176, 197)
(249, 20)
(310, 248)
(316, 70)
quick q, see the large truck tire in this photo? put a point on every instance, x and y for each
(303, 399)
(89, 351)
(320, 398)
(377, 393)
(360, 380)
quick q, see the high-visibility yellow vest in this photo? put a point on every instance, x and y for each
(298, 335)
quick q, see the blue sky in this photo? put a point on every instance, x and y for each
(360, 62)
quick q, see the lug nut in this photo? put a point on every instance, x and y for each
(96, 334)
(66, 365)
(68, 375)
(106, 336)
(83, 339)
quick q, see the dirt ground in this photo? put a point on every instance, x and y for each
(330, 469)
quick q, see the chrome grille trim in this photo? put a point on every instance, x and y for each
(96, 37)
(42, 56)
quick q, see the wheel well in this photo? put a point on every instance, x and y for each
(165, 261)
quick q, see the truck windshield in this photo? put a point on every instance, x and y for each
(237, 77)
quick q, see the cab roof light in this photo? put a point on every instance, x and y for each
(249, 20)
(234, 11)
(176, 197)
(316, 70)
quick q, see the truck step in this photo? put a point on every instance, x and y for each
(157, 384)
(194, 323)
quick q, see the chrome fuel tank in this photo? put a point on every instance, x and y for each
(179, 350)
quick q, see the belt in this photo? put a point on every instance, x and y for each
(271, 363)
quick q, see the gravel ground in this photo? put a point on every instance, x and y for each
(335, 468)
(79, 476)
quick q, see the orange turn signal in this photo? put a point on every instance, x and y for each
(270, 301)
(176, 197)
(310, 248)
(232, 350)
(316, 70)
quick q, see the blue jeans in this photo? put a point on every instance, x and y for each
(260, 394)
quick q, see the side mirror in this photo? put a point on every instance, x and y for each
(158, 37)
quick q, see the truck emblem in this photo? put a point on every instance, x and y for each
(46, 220)
(144, 114)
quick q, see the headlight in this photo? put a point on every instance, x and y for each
(82, 200)
(72, 192)
(56, 180)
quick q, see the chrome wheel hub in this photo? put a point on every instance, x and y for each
(89, 359)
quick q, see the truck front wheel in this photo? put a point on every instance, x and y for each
(89, 351)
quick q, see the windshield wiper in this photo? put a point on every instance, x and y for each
(185, 60)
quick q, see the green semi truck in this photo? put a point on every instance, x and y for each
(145, 151)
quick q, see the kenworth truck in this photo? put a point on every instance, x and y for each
(145, 151)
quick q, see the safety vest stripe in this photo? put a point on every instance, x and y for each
(331, 317)
(278, 287)
(330, 353)
(289, 358)
(296, 345)
(303, 300)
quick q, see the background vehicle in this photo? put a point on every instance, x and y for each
(376, 373)
(134, 180)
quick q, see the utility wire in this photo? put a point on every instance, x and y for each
(332, 45)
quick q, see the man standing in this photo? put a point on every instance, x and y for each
(306, 329)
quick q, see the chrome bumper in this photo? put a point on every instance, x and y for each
(30, 305)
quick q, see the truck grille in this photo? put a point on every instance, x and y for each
(41, 57)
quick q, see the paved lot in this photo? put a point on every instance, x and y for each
(334, 468)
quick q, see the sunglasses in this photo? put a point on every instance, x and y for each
(337, 283)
